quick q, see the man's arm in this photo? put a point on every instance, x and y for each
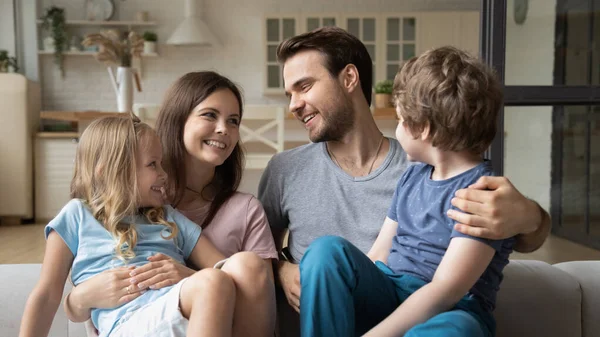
(495, 209)
(287, 274)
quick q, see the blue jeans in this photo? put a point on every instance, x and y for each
(345, 294)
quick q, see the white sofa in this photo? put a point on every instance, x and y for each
(536, 299)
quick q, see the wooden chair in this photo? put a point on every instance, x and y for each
(262, 133)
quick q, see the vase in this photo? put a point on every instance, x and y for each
(124, 85)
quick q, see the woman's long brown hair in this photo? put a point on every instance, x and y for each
(183, 96)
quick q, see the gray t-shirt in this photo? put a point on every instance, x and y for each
(305, 191)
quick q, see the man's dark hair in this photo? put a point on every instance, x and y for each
(339, 47)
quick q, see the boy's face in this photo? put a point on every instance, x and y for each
(414, 148)
(317, 99)
(151, 177)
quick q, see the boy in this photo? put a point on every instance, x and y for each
(437, 281)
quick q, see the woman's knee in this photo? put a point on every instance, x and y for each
(246, 265)
(211, 281)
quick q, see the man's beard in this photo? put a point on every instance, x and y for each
(337, 123)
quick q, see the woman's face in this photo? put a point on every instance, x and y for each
(212, 128)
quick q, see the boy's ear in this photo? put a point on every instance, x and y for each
(349, 78)
(425, 132)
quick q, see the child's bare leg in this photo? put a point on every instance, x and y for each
(207, 299)
(255, 295)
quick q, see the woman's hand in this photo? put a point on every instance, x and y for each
(160, 272)
(108, 289)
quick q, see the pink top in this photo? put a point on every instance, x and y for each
(239, 225)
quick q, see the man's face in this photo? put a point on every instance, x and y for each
(317, 99)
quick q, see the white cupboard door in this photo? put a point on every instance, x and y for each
(54, 165)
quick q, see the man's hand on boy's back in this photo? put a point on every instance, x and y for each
(289, 279)
(495, 209)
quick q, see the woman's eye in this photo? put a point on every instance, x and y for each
(234, 121)
(209, 115)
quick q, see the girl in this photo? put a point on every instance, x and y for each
(198, 126)
(116, 220)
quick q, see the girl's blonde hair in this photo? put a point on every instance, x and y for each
(105, 179)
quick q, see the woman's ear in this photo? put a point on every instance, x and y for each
(349, 78)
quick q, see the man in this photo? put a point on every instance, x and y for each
(343, 183)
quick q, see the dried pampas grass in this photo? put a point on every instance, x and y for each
(116, 47)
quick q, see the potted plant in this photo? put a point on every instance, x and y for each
(54, 21)
(383, 94)
(150, 39)
(7, 61)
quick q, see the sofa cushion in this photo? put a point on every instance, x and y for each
(587, 273)
(16, 282)
(536, 299)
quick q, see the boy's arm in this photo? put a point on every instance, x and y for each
(381, 248)
(462, 265)
(46, 296)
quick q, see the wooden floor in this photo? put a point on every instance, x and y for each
(25, 244)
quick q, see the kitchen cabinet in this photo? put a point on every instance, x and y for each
(54, 165)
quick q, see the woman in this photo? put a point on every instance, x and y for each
(198, 125)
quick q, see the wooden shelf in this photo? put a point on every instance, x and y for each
(57, 135)
(87, 53)
(106, 23)
(77, 116)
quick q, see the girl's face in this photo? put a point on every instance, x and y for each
(151, 177)
(212, 128)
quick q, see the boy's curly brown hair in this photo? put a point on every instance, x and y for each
(457, 95)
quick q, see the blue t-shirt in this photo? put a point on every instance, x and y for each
(424, 230)
(94, 247)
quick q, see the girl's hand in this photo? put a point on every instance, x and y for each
(160, 272)
(108, 289)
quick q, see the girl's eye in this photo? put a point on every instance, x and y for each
(209, 115)
(234, 121)
(152, 164)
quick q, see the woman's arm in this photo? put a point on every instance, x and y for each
(205, 254)
(47, 294)
(462, 265)
(381, 248)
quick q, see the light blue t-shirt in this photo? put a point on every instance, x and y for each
(424, 230)
(94, 247)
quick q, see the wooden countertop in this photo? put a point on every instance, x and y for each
(77, 116)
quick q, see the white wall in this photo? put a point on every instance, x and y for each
(530, 61)
(238, 24)
(7, 27)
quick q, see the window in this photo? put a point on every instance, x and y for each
(365, 29)
(276, 30)
(312, 22)
(400, 43)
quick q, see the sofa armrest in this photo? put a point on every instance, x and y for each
(536, 299)
(587, 273)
